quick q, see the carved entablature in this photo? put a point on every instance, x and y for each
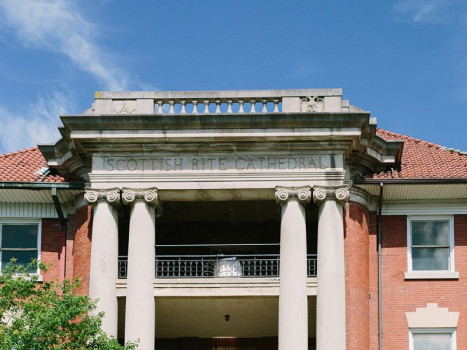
(302, 194)
(148, 195)
(312, 104)
(339, 193)
(92, 196)
(300, 131)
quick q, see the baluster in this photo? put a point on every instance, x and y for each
(179, 266)
(206, 106)
(253, 102)
(183, 103)
(229, 106)
(254, 266)
(276, 105)
(202, 267)
(160, 103)
(195, 107)
(218, 106)
(171, 102)
(265, 102)
(240, 103)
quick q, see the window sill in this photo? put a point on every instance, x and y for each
(431, 275)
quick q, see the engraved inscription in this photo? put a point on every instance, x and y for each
(246, 163)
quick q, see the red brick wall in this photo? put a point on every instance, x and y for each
(82, 247)
(373, 280)
(357, 277)
(51, 247)
(70, 239)
(401, 296)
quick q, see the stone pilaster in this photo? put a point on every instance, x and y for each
(104, 255)
(293, 303)
(140, 304)
(330, 308)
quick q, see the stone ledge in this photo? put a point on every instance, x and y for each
(223, 287)
(431, 275)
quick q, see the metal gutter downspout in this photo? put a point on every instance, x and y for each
(380, 278)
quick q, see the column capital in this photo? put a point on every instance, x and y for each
(340, 194)
(111, 195)
(148, 195)
(302, 194)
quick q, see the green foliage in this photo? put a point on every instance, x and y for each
(39, 316)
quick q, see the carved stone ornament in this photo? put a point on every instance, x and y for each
(302, 194)
(124, 107)
(149, 195)
(92, 196)
(339, 193)
(312, 104)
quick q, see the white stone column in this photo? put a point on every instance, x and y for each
(293, 302)
(330, 307)
(104, 255)
(140, 314)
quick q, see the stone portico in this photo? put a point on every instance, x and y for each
(140, 150)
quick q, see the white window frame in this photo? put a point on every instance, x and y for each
(23, 222)
(451, 331)
(431, 274)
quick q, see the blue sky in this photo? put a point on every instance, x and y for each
(404, 60)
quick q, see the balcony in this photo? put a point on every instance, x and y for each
(217, 265)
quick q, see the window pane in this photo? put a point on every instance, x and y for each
(430, 232)
(19, 236)
(430, 258)
(432, 341)
(22, 258)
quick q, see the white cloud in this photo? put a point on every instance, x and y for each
(59, 26)
(38, 124)
(423, 10)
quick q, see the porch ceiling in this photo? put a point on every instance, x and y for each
(205, 317)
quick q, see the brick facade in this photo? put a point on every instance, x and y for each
(82, 247)
(373, 280)
(401, 296)
(356, 276)
(51, 247)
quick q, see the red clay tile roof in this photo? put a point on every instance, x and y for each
(424, 160)
(25, 166)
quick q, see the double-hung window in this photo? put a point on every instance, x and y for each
(430, 244)
(19, 240)
(433, 339)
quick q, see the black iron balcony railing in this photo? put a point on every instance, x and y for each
(206, 266)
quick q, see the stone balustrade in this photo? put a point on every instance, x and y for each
(220, 102)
